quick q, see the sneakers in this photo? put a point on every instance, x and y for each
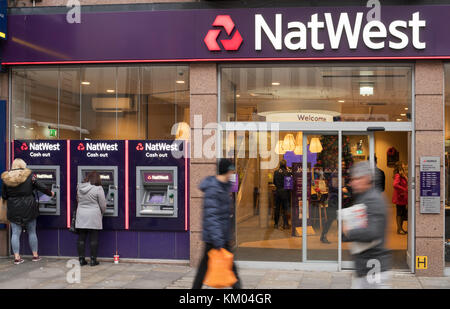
(19, 261)
(36, 258)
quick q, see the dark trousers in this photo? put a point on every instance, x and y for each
(331, 216)
(81, 244)
(282, 202)
(203, 267)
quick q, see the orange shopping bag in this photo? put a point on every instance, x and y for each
(220, 269)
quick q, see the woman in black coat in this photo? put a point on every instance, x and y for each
(18, 190)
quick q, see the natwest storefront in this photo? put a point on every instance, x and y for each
(319, 87)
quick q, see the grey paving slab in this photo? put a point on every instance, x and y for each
(276, 284)
(146, 284)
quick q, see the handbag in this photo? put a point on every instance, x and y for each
(72, 227)
(3, 211)
(220, 269)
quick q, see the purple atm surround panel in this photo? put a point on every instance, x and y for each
(137, 157)
(23, 149)
(130, 244)
(79, 156)
(47, 240)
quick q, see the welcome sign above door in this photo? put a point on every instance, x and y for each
(315, 33)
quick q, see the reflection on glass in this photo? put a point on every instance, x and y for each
(34, 104)
(268, 201)
(123, 102)
(324, 93)
(322, 230)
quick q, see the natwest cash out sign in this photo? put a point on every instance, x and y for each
(98, 149)
(160, 149)
(39, 149)
(401, 32)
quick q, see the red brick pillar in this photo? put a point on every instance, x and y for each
(203, 87)
(429, 126)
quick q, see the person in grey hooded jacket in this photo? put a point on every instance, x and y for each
(217, 217)
(372, 259)
(89, 215)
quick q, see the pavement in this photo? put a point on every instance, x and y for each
(53, 273)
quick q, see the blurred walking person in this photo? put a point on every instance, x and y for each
(400, 196)
(89, 215)
(372, 259)
(217, 217)
(18, 189)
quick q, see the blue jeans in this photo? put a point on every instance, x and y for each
(32, 237)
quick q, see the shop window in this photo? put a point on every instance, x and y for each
(35, 104)
(316, 93)
(92, 102)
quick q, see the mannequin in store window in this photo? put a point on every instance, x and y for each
(400, 195)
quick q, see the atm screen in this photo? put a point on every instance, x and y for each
(156, 198)
(43, 198)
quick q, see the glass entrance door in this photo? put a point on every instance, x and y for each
(321, 172)
(355, 147)
(268, 194)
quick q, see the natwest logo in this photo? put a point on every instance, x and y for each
(102, 147)
(24, 146)
(139, 147)
(227, 23)
(41, 146)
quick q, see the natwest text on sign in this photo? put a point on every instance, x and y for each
(374, 33)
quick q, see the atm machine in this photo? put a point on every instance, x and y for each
(156, 191)
(108, 177)
(49, 175)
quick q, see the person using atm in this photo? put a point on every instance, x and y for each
(91, 207)
(18, 189)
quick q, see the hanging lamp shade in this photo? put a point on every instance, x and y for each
(315, 145)
(183, 131)
(279, 148)
(299, 139)
(299, 143)
(298, 150)
(289, 143)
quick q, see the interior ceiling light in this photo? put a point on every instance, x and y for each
(275, 84)
(398, 119)
(110, 90)
(365, 89)
(180, 81)
(238, 96)
(183, 131)
(315, 146)
(406, 108)
(341, 101)
(403, 115)
(85, 83)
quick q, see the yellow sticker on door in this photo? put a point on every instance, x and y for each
(422, 262)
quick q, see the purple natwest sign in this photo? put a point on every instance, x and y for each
(158, 177)
(234, 34)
